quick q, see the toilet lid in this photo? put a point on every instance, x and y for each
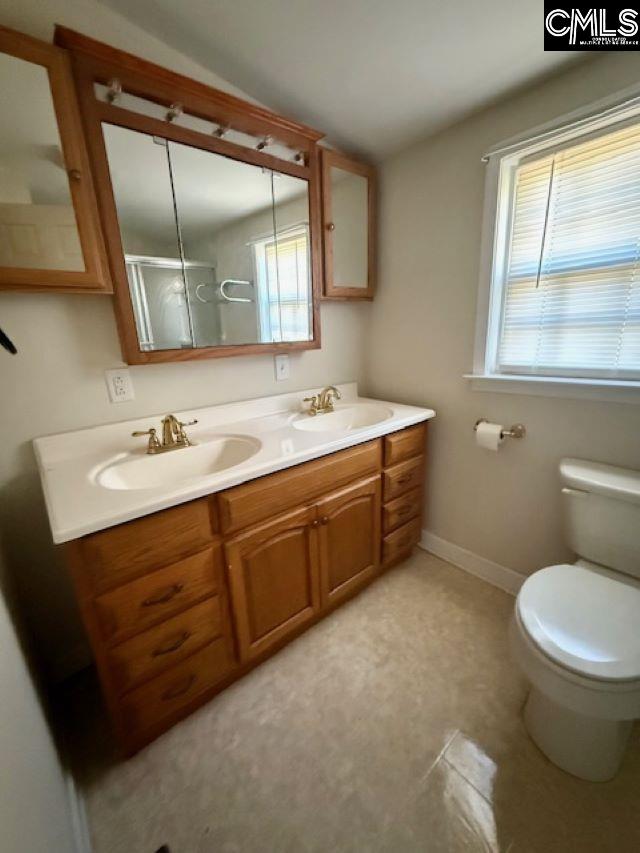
(586, 619)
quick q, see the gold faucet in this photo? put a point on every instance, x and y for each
(322, 403)
(173, 435)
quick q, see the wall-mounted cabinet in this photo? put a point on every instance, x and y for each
(218, 225)
(210, 208)
(348, 227)
(50, 236)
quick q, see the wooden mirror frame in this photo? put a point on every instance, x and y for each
(331, 290)
(94, 62)
(95, 277)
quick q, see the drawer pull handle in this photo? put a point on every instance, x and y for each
(163, 597)
(172, 647)
(402, 480)
(180, 690)
(403, 510)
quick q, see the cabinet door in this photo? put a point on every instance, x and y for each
(348, 214)
(349, 538)
(50, 234)
(274, 579)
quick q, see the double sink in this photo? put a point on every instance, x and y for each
(212, 455)
(102, 476)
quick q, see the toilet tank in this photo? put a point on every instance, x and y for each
(602, 513)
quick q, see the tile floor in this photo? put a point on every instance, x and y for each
(393, 725)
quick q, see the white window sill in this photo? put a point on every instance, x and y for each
(611, 390)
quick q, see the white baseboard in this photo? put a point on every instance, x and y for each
(500, 576)
(79, 823)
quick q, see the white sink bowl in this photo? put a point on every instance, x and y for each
(344, 418)
(176, 466)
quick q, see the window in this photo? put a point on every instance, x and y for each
(282, 273)
(565, 268)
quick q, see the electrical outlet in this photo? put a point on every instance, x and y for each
(119, 385)
(282, 367)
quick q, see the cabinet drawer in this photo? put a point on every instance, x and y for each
(152, 598)
(271, 495)
(153, 651)
(176, 688)
(401, 445)
(401, 510)
(402, 478)
(122, 553)
(401, 540)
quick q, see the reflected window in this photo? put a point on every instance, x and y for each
(282, 274)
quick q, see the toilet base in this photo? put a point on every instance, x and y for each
(587, 747)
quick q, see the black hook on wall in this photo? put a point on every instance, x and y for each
(7, 343)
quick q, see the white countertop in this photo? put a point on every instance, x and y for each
(70, 463)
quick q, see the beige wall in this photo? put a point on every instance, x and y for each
(65, 343)
(503, 506)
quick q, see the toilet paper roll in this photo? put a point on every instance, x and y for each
(489, 435)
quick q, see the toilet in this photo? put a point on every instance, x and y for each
(575, 631)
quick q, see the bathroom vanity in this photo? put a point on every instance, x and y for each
(193, 566)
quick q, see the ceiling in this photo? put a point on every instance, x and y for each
(373, 75)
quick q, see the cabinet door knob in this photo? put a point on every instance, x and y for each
(331, 226)
(324, 520)
(315, 522)
(75, 174)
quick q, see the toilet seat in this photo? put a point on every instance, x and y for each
(585, 619)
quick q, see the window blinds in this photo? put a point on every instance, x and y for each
(571, 302)
(287, 270)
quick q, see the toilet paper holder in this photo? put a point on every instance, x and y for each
(516, 430)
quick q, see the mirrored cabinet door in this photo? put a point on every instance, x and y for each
(50, 237)
(217, 250)
(348, 207)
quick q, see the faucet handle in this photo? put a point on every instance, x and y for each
(154, 444)
(181, 434)
(313, 408)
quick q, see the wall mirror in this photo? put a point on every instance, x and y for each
(216, 249)
(348, 197)
(210, 207)
(49, 230)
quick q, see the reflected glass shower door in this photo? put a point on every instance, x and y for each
(160, 303)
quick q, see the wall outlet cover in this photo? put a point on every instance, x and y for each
(119, 385)
(281, 363)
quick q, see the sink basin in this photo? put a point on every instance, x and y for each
(344, 418)
(176, 466)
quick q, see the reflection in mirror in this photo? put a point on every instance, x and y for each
(290, 312)
(349, 211)
(217, 250)
(218, 201)
(236, 219)
(38, 227)
(141, 182)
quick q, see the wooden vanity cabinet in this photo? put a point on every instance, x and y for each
(180, 603)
